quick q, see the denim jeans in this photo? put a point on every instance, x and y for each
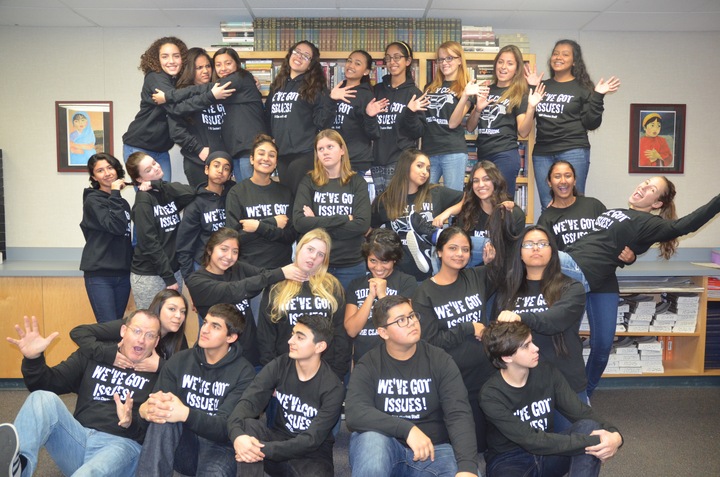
(508, 162)
(169, 447)
(602, 311)
(242, 169)
(476, 255)
(571, 269)
(347, 274)
(44, 420)
(373, 454)
(108, 296)
(451, 167)
(560, 422)
(381, 176)
(579, 158)
(520, 463)
(162, 158)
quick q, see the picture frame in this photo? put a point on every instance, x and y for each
(657, 138)
(82, 128)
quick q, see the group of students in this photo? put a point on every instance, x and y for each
(423, 314)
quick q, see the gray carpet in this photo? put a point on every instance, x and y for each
(668, 431)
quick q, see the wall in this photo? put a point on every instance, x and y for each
(43, 65)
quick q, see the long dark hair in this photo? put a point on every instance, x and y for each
(368, 61)
(408, 54)
(394, 198)
(578, 70)
(187, 76)
(216, 239)
(667, 212)
(111, 160)
(552, 284)
(313, 82)
(500, 232)
(473, 205)
(172, 341)
(550, 173)
(235, 57)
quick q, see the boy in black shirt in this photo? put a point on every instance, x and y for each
(407, 404)
(194, 395)
(519, 403)
(309, 398)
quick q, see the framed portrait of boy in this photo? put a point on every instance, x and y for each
(657, 138)
(82, 128)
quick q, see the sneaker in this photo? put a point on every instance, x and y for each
(422, 227)
(9, 451)
(416, 252)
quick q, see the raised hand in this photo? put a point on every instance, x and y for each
(536, 95)
(609, 86)
(124, 410)
(339, 93)
(531, 75)
(419, 104)
(31, 343)
(376, 106)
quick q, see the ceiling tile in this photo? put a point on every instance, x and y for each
(207, 17)
(41, 17)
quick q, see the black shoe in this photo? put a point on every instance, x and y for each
(9, 451)
(422, 227)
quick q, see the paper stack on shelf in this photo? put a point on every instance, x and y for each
(651, 354)
(686, 307)
(479, 39)
(642, 310)
(520, 40)
(238, 35)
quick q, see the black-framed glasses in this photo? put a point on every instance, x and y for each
(448, 59)
(395, 58)
(150, 335)
(403, 321)
(529, 244)
(302, 55)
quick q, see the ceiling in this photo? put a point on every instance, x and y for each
(517, 15)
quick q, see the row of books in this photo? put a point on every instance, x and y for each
(238, 35)
(347, 34)
(479, 39)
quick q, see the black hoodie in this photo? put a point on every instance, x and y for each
(356, 127)
(201, 218)
(211, 391)
(392, 141)
(244, 118)
(106, 228)
(293, 121)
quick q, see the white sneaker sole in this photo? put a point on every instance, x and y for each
(9, 448)
(416, 253)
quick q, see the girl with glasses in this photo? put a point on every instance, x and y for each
(395, 91)
(442, 140)
(298, 107)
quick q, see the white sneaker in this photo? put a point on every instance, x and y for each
(9, 451)
(416, 252)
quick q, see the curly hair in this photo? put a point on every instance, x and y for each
(314, 81)
(578, 70)
(150, 60)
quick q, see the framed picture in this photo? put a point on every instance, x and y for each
(83, 128)
(657, 138)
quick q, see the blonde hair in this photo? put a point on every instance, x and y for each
(319, 175)
(461, 79)
(322, 284)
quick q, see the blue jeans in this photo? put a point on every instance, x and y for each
(508, 162)
(579, 158)
(373, 454)
(162, 158)
(476, 255)
(520, 463)
(347, 274)
(601, 310)
(451, 167)
(170, 447)
(242, 169)
(108, 296)
(44, 420)
(560, 422)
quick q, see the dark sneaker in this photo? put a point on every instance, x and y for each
(420, 225)
(416, 252)
(9, 451)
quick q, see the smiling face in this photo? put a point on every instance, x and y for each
(310, 256)
(330, 154)
(356, 67)
(300, 59)
(218, 171)
(562, 59)
(149, 170)
(172, 315)
(562, 181)
(482, 185)
(397, 61)
(170, 59)
(104, 174)
(505, 69)
(455, 254)
(449, 69)
(379, 268)
(224, 255)
(536, 258)
(647, 195)
(203, 70)
(264, 158)
(419, 173)
(225, 65)
(139, 337)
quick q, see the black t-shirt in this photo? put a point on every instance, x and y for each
(570, 223)
(497, 129)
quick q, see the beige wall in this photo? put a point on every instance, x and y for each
(43, 65)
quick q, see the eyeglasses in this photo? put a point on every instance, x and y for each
(448, 59)
(395, 58)
(150, 335)
(302, 55)
(403, 321)
(529, 244)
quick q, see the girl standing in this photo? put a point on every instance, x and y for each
(335, 198)
(298, 106)
(156, 214)
(572, 106)
(397, 89)
(356, 110)
(107, 254)
(321, 294)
